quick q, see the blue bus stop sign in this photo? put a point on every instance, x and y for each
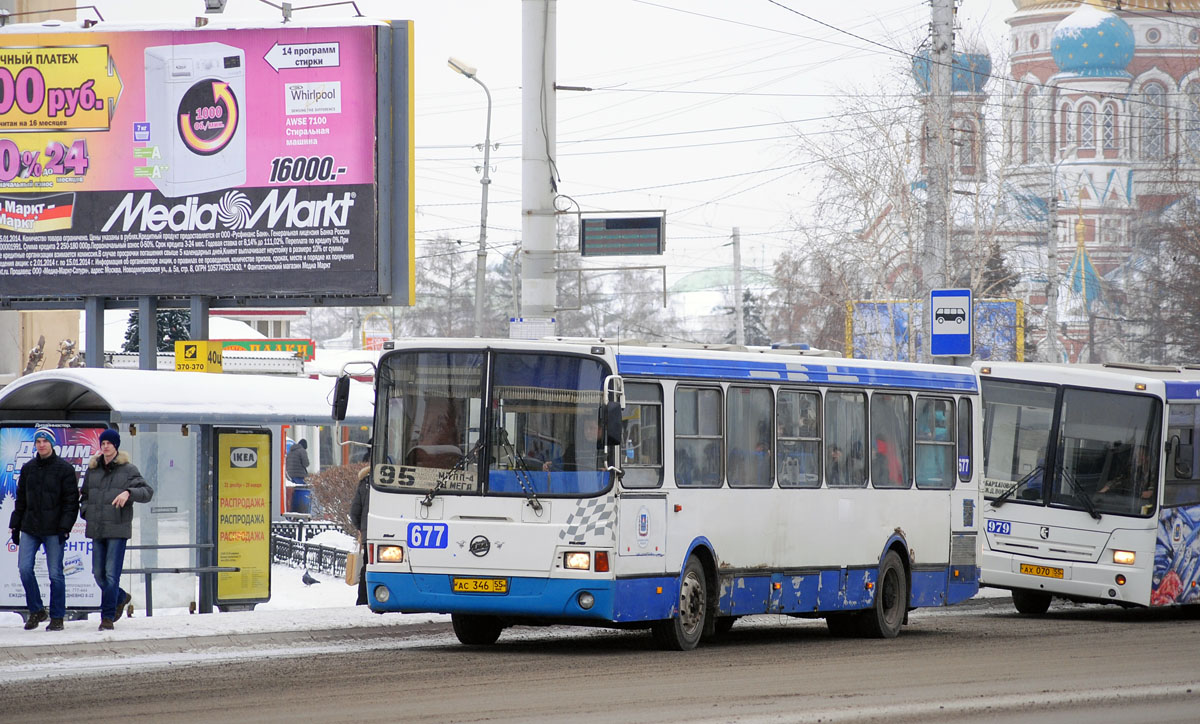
(950, 323)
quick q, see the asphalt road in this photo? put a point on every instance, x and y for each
(979, 662)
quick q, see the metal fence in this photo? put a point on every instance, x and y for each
(290, 546)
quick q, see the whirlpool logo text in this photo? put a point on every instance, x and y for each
(234, 211)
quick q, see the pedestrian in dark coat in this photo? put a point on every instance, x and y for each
(296, 462)
(46, 507)
(110, 488)
(359, 508)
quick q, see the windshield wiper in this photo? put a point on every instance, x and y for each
(521, 471)
(1003, 497)
(445, 475)
(1077, 491)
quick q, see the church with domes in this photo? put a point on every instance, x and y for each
(1100, 145)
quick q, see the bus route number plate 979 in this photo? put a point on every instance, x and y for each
(1044, 571)
(479, 585)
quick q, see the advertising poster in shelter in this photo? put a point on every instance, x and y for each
(243, 489)
(199, 161)
(76, 445)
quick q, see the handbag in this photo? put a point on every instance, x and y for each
(352, 563)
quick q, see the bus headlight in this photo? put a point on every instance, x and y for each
(1125, 558)
(382, 594)
(390, 554)
(579, 560)
(586, 600)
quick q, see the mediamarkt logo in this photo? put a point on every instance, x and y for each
(232, 212)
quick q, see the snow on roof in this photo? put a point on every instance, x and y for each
(1086, 16)
(152, 396)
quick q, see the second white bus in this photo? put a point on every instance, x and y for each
(1091, 488)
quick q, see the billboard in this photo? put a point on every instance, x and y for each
(228, 162)
(76, 445)
(243, 503)
(880, 329)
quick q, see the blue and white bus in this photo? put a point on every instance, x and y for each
(670, 488)
(1091, 483)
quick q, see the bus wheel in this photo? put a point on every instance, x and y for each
(883, 620)
(683, 632)
(476, 630)
(1031, 603)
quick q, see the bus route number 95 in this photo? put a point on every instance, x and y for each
(428, 535)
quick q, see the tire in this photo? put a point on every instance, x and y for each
(1031, 603)
(843, 625)
(683, 631)
(941, 320)
(885, 617)
(476, 630)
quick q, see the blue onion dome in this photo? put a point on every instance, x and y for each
(1092, 42)
(970, 72)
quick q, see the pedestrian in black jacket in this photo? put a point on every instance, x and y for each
(110, 488)
(359, 508)
(46, 507)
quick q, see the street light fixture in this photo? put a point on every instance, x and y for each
(481, 255)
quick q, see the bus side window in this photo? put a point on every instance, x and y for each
(966, 462)
(846, 439)
(935, 444)
(798, 433)
(1183, 487)
(698, 430)
(641, 451)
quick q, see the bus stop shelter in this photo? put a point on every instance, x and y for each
(212, 447)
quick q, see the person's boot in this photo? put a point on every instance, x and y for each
(34, 619)
(106, 624)
(125, 599)
(56, 624)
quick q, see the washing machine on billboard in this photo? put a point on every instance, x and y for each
(195, 104)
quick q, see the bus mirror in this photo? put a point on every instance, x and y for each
(341, 397)
(612, 423)
(1183, 462)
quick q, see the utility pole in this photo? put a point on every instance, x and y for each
(1051, 353)
(934, 251)
(740, 326)
(539, 182)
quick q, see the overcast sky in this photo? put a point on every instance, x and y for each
(693, 113)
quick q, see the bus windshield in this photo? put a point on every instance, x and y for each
(541, 435)
(546, 428)
(1104, 457)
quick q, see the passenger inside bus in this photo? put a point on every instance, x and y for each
(583, 451)
(888, 471)
(438, 436)
(1135, 478)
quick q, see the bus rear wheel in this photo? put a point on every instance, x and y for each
(884, 619)
(683, 631)
(476, 630)
(1031, 603)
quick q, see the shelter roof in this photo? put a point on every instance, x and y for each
(151, 396)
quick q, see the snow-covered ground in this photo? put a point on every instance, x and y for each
(294, 606)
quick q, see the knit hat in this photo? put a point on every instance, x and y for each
(43, 433)
(112, 436)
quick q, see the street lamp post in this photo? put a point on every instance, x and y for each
(481, 255)
(1051, 353)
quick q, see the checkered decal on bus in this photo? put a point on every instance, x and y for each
(592, 516)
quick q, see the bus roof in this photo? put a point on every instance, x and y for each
(1175, 383)
(637, 358)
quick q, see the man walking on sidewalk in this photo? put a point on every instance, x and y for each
(110, 488)
(46, 507)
